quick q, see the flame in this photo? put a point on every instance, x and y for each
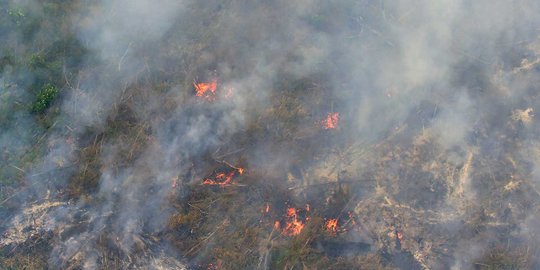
(223, 179)
(331, 121)
(277, 225)
(206, 90)
(267, 209)
(293, 226)
(331, 225)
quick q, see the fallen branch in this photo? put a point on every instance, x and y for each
(230, 153)
(326, 183)
(23, 171)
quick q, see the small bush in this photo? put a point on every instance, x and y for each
(16, 14)
(44, 98)
(37, 61)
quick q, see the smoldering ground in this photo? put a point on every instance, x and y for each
(433, 163)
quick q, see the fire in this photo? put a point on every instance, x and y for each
(265, 212)
(331, 121)
(206, 90)
(209, 90)
(331, 225)
(293, 226)
(292, 223)
(223, 179)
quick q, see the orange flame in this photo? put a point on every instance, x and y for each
(223, 179)
(294, 226)
(331, 121)
(206, 90)
(331, 225)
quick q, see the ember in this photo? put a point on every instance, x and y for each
(331, 225)
(331, 121)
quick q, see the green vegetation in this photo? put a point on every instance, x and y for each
(16, 14)
(44, 98)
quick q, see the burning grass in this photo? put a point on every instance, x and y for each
(227, 218)
(293, 224)
(224, 178)
(210, 91)
(334, 202)
(331, 121)
(206, 90)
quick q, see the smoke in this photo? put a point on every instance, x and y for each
(451, 80)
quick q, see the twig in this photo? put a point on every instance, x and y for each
(123, 56)
(325, 183)
(229, 164)
(135, 141)
(230, 153)
(201, 242)
(198, 208)
(23, 171)
(9, 198)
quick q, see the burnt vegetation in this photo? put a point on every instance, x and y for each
(273, 173)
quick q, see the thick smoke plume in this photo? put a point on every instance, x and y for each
(269, 135)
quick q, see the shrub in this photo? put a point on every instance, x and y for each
(44, 98)
(16, 14)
